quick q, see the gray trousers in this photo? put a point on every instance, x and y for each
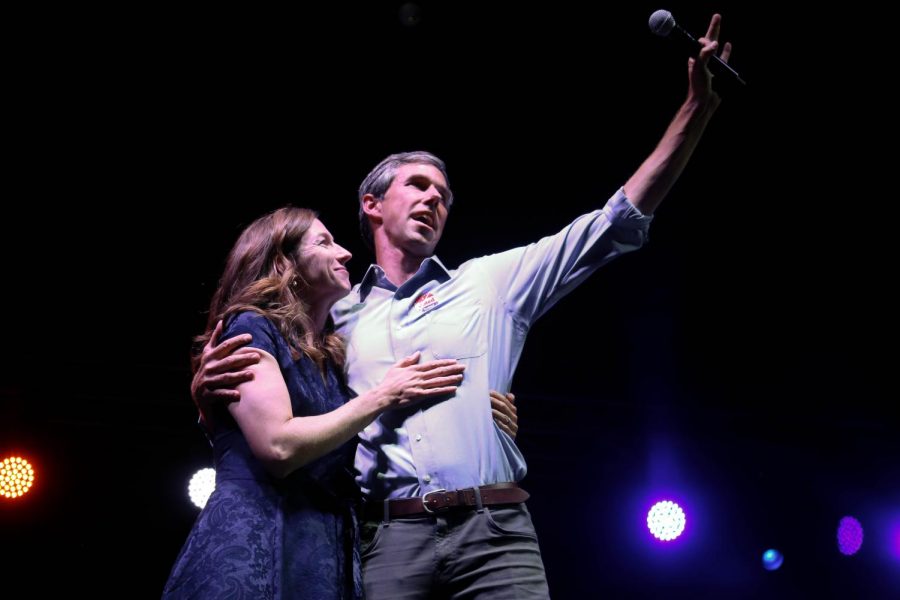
(487, 554)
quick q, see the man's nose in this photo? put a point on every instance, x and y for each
(433, 195)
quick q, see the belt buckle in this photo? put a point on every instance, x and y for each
(425, 502)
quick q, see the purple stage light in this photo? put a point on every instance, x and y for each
(895, 542)
(849, 536)
(666, 520)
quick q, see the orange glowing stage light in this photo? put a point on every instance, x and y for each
(16, 477)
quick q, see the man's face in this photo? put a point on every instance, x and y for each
(414, 209)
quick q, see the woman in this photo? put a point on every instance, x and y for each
(281, 522)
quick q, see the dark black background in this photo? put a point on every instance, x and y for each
(742, 362)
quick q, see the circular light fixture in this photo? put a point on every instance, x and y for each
(16, 477)
(666, 520)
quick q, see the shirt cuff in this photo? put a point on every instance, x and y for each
(622, 212)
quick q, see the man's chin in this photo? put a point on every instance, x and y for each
(422, 246)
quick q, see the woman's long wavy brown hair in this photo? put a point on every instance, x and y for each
(262, 275)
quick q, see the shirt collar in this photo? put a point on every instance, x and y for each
(431, 268)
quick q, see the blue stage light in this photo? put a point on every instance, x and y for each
(772, 559)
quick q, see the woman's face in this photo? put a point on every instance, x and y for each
(322, 265)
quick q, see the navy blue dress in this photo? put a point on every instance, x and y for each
(262, 537)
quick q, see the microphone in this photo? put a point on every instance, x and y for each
(662, 23)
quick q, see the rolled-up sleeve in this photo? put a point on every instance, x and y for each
(532, 278)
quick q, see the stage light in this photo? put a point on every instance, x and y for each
(666, 520)
(894, 537)
(772, 559)
(849, 536)
(201, 486)
(410, 14)
(16, 477)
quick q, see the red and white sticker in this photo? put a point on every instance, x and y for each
(425, 302)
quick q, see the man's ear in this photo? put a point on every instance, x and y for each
(372, 207)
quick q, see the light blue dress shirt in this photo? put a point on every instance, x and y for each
(479, 314)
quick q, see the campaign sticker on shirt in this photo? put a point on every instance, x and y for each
(425, 302)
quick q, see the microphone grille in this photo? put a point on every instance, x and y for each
(662, 23)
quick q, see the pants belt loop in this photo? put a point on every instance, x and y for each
(387, 513)
(478, 504)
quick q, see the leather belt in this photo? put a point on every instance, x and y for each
(438, 501)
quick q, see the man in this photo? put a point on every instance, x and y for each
(476, 539)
